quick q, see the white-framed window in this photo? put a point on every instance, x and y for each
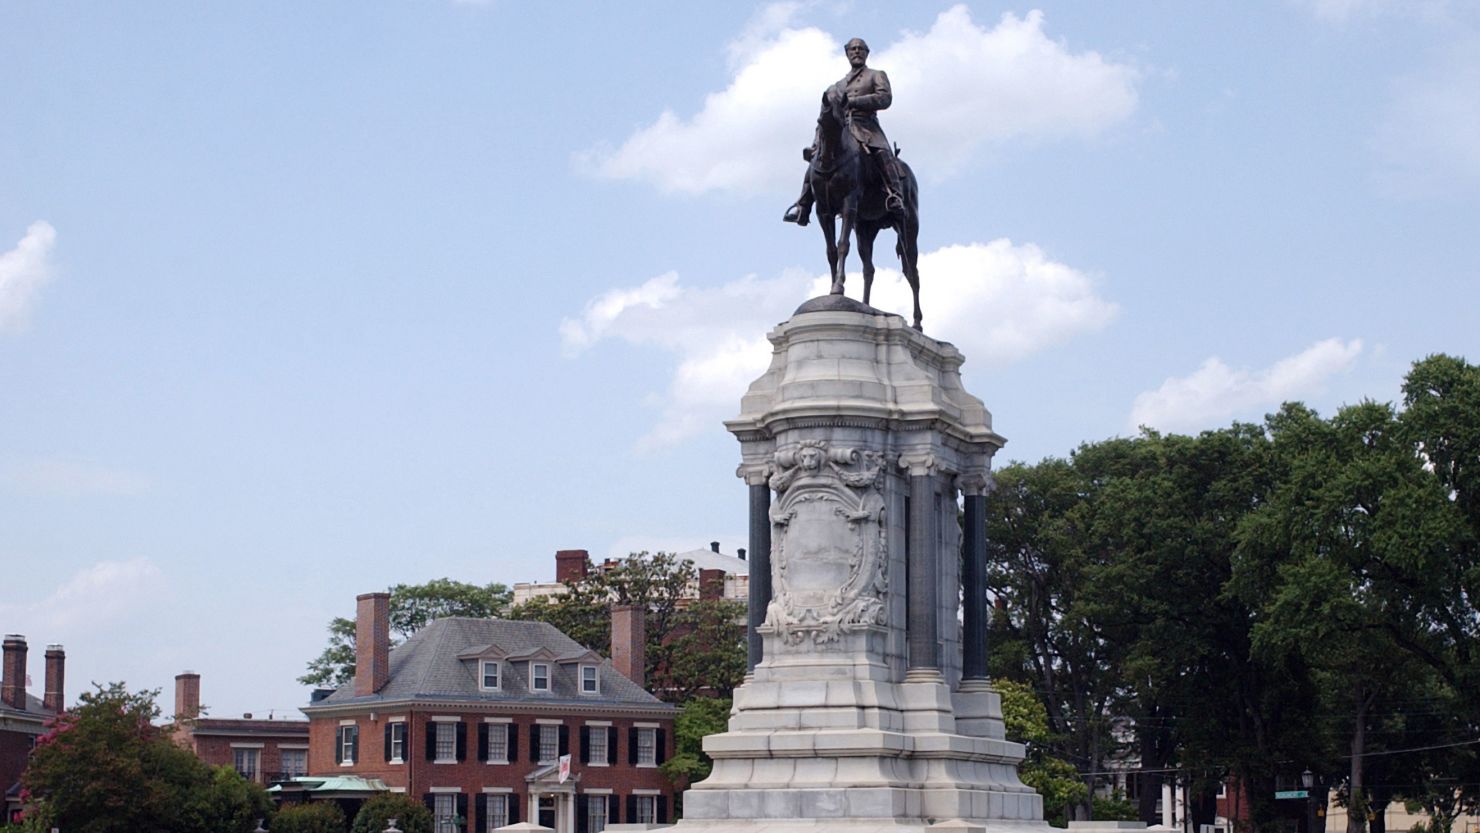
(647, 809)
(590, 683)
(348, 744)
(498, 744)
(539, 676)
(596, 749)
(248, 762)
(444, 813)
(294, 762)
(398, 742)
(496, 811)
(446, 742)
(549, 743)
(489, 675)
(596, 812)
(1222, 789)
(647, 747)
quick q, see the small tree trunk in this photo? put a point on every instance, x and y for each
(1356, 810)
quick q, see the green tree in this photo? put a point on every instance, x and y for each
(693, 646)
(1026, 722)
(105, 767)
(310, 817)
(411, 815)
(412, 606)
(699, 718)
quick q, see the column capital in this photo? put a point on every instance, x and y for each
(754, 473)
(921, 463)
(976, 483)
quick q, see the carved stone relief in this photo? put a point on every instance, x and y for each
(829, 545)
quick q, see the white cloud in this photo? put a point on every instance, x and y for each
(958, 87)
(72, 478)
(23, 271)
(98, 594)
(1429, 137)
(1006, 301)
(1215, 392)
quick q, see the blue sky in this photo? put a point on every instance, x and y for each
(298, 300)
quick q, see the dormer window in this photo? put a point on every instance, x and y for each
(539, 676)
(490, 681)
(590, 683)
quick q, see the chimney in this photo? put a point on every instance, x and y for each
(629, 642)
(711, 584)
(741, 553)
(13, 684)
(714, 546)
(56, 666)
(372, 642)
(187, 696)
(571, 565)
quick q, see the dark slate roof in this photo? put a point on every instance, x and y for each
(34, 708)
(427, 667)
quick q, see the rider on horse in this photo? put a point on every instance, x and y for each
(863, 91)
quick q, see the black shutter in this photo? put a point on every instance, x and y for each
(585, 744)
(513, 754)
(354, 744)
(462, 808)
(388, 742)
(480, 807)
(512, 802)
(582, 820)
(632, 746)
(534, 742)
(431, 741)
(660, 748)
(631, 810)
(611, 745)
(482, 749)
(564, 739)
(431, 801)
(462, 741)
(662, 815)
(339, 745)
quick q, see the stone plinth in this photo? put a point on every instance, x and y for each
(856, 444)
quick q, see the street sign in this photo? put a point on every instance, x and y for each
(1292, 794)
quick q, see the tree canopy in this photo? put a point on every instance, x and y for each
(1257, 601)
(104, 767)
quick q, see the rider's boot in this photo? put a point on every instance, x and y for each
(800, 212)
(894, 201)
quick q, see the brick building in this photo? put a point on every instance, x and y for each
(474, 716)
(264, 751)
(23, 717)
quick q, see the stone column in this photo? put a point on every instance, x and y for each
(973, 580)
(760, 566)
(924, 629)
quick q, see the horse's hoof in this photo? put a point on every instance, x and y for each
(837, 289)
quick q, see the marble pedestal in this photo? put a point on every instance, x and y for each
(855, 716)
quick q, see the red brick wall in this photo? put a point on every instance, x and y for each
(15, 747)
(418, 775)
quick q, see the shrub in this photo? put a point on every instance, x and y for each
(312, 817)
(411, 815)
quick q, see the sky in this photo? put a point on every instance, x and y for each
(302, 300)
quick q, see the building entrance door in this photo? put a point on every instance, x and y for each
(547, 812)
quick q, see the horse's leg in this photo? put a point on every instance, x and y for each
(828, 224)
(909, 257)
(845, 242)
(866, 234)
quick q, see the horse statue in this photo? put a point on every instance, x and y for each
(844, 183)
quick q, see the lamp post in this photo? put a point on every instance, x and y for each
(1308, 780)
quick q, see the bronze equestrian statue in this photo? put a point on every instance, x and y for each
(854, 172)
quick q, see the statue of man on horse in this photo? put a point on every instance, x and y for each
(854, 172)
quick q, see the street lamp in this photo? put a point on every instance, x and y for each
(1308, 780)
